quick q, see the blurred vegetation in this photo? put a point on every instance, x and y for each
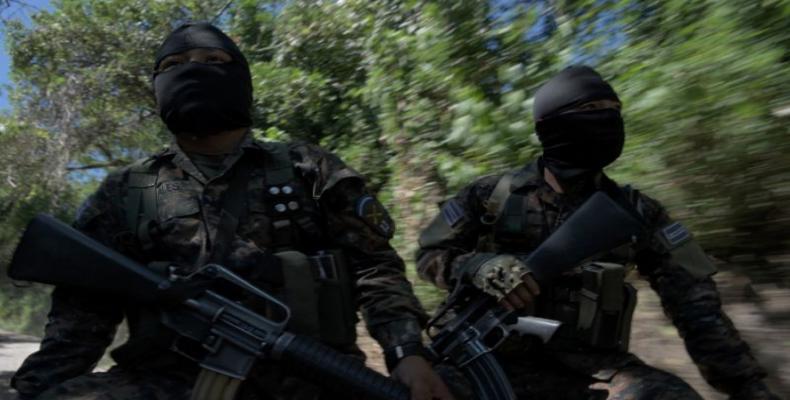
(422, 96)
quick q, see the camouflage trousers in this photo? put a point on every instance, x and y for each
(121, 384)
(124, 384)
(592, 375)
(580, 376)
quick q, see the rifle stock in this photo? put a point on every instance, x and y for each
(597, 227)
(54, 253)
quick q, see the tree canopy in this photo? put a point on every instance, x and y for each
(422, 96)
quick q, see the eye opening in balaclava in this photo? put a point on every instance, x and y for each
(577, 143)
(166, 63)
(203, 99)
(193, 35)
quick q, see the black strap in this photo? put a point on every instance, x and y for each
(233, 206)
(140, 201)
(496, 202)
(511, 180)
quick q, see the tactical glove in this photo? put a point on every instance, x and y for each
(503, 276)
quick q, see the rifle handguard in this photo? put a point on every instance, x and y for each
(323, 364)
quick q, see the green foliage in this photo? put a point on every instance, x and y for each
(425, 96)
(704, 134)
(23, 309)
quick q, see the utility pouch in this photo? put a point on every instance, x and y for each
(337, 309)
(301, 293)
(320, 292)
(602, 305)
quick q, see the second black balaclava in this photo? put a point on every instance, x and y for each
(203, 99)
(577, 144)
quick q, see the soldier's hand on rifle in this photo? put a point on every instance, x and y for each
(509, 280)
(419, 376)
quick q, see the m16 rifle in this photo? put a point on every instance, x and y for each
(480, 325)
(232, 336)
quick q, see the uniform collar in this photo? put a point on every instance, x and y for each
(182, 160)
(531, 176)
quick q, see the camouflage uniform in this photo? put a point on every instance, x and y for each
(567, 369)
(337, 212)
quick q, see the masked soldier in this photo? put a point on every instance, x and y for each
(216, 195)
(482, 235)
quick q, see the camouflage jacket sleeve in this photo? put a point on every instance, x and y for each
(361, 226)
(451, 238)
(692, 302)
(80, 324)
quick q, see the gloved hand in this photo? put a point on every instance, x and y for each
(507, 279)
(754, 391)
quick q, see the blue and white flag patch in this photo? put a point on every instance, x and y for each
(675, 234)
(452, 212)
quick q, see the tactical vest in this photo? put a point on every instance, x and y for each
(318, 287)
(594, 304)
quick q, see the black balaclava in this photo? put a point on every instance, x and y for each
(577, 144)
(203, 99)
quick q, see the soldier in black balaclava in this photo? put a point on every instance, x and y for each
(291, 218)
(202, 82)
(483, 235)
(578, 122)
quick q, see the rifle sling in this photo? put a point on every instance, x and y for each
(496, 202)
(232, 210)
(140, 202)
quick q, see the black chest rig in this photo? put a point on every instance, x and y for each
(521, 226)
(267, 204)
(593, 301)
(515, 216)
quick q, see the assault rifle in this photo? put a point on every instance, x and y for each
(232, 336)
(480, 325)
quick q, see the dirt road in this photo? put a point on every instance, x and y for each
(13, 349)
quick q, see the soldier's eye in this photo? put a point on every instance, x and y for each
(215, 57)
(169, 64)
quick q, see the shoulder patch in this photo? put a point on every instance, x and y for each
(675, 234)
(370, 210)
(452, 212)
